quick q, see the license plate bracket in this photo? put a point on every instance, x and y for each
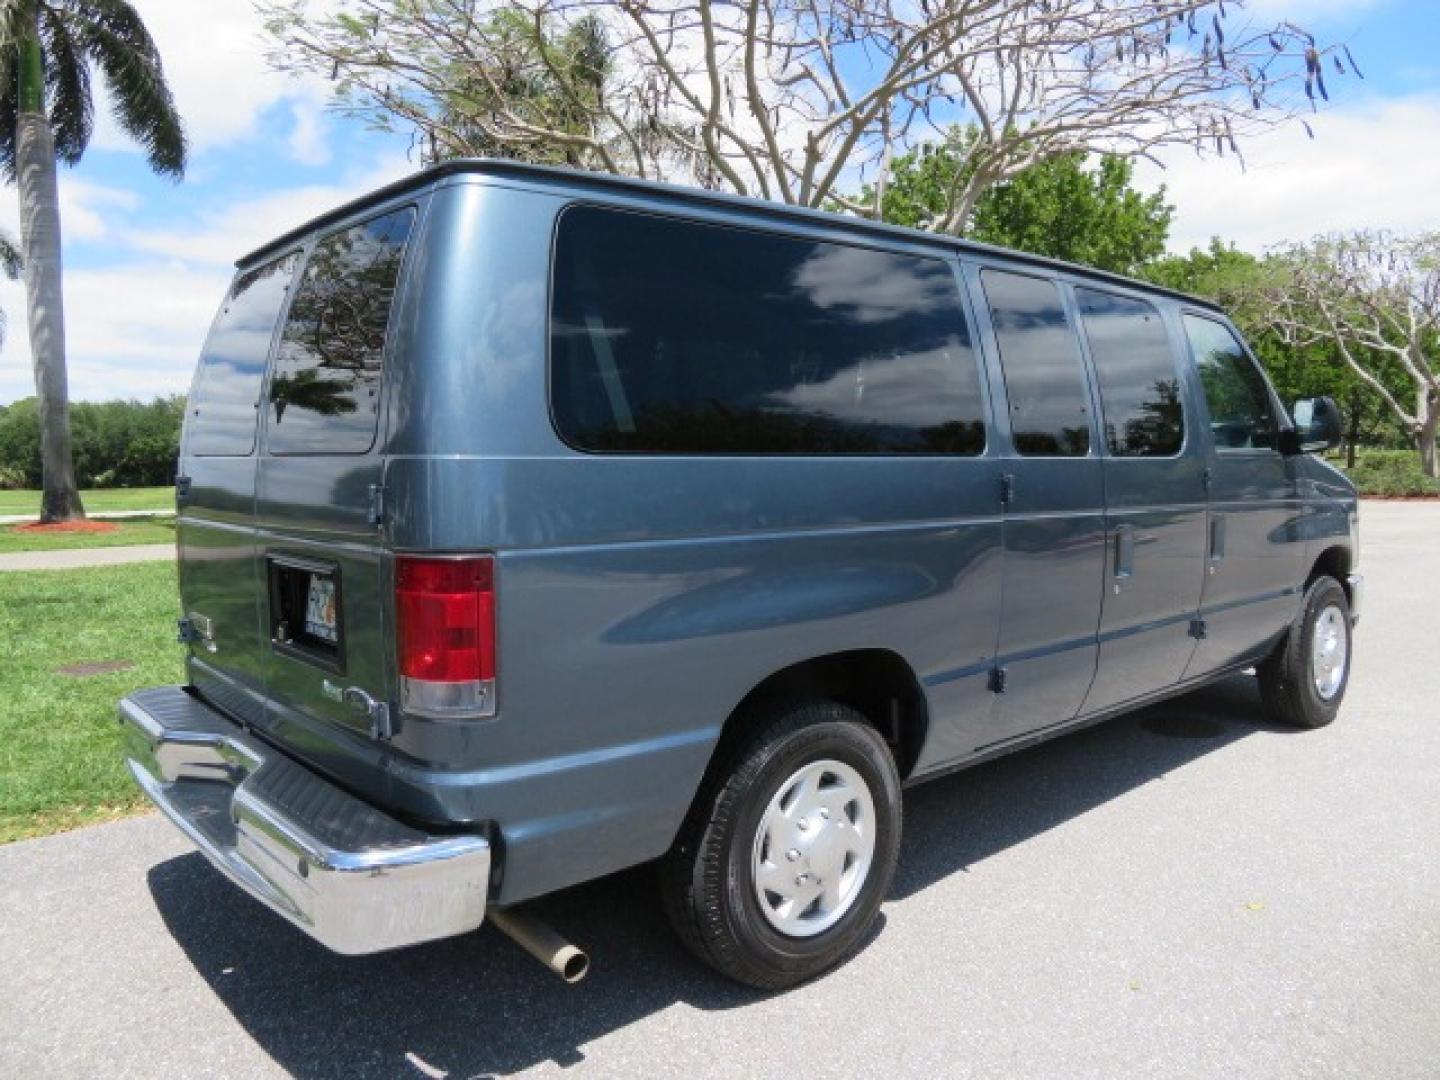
(306, 610)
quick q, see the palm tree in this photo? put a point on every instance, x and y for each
(48, 49)
(11, 265)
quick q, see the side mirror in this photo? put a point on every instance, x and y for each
(1319, 425)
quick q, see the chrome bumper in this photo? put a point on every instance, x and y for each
(1356, 586)
(350, 876)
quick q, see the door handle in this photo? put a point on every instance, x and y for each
(1124, 552)
(1217, 540)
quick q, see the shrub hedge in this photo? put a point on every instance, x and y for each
(116, 443)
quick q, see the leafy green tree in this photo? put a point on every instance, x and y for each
(48, 50)
(1374, 298)
(116, 443)
(1243, 283)
(788, 101)
(1063, 207)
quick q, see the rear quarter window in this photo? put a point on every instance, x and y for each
(225, 400)
(325, 392)
(674, 336)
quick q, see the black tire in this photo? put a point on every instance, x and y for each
(707, 879)
(1287, 682)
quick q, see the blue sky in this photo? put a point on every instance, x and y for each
(147, 260)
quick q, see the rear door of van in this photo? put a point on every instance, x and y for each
(320, 561)
(215, 492)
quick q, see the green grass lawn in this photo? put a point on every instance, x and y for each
(96, 500)
(59, 740)
(136, 531)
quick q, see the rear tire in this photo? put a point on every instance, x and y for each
(779, 870)
(1304, 680)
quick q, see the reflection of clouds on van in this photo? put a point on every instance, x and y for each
(854, 283)
(909, 390)
(226, 393)
(781, 345)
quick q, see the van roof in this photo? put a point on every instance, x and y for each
(580, 180)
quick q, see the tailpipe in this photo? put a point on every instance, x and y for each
(541, 942)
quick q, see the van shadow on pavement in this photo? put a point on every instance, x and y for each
(477, 1005)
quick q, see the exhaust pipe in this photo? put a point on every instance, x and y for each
(541, 942)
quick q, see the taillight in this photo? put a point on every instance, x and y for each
(445, 627)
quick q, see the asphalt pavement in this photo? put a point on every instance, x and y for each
(1191, 892)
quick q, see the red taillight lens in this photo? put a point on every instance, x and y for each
(445, 619)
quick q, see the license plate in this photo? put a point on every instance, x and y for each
(320, 619)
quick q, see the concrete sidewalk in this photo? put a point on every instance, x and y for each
(75, 558)
(101, 515)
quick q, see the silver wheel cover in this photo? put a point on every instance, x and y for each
(814, 848)
(1329, 650)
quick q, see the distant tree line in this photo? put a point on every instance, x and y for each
(116, 443)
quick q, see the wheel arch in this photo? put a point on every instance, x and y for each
(1335, 561)
(878, 683)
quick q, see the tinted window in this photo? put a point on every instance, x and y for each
(1235, 392)
(325, 393)
(1043, 379)
(675, 337)
(1139, 390)
(226, 397)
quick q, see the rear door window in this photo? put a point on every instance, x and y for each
(1241, 416)
(1045, 385)
(1135, 367)
(325, 391)
(225, 400)
(672, 336)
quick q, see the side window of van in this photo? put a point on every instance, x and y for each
(225, 400)
(1049, 414)
(1135, 367)
(671, 336)
(325, 393)
(1241, 417)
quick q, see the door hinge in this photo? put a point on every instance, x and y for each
(1197, 629)
(375, 509)
(182, 490)
(1007, 489)
(997, 680)
(193, 629)
(1205, 476)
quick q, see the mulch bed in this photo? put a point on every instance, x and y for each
(70, 527)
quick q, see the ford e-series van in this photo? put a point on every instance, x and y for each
(536, 524)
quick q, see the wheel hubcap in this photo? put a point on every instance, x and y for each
(1329, 646)
(813, 848)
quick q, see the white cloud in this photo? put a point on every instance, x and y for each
(1372, 164)
(214, 56)
(308, 138)
(131, 331)
(225, 234)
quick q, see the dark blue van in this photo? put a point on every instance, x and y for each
(536, 524)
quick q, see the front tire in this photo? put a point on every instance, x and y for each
(781, 866)
(1304, 680)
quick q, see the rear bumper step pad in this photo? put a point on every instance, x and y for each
(350, 876)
